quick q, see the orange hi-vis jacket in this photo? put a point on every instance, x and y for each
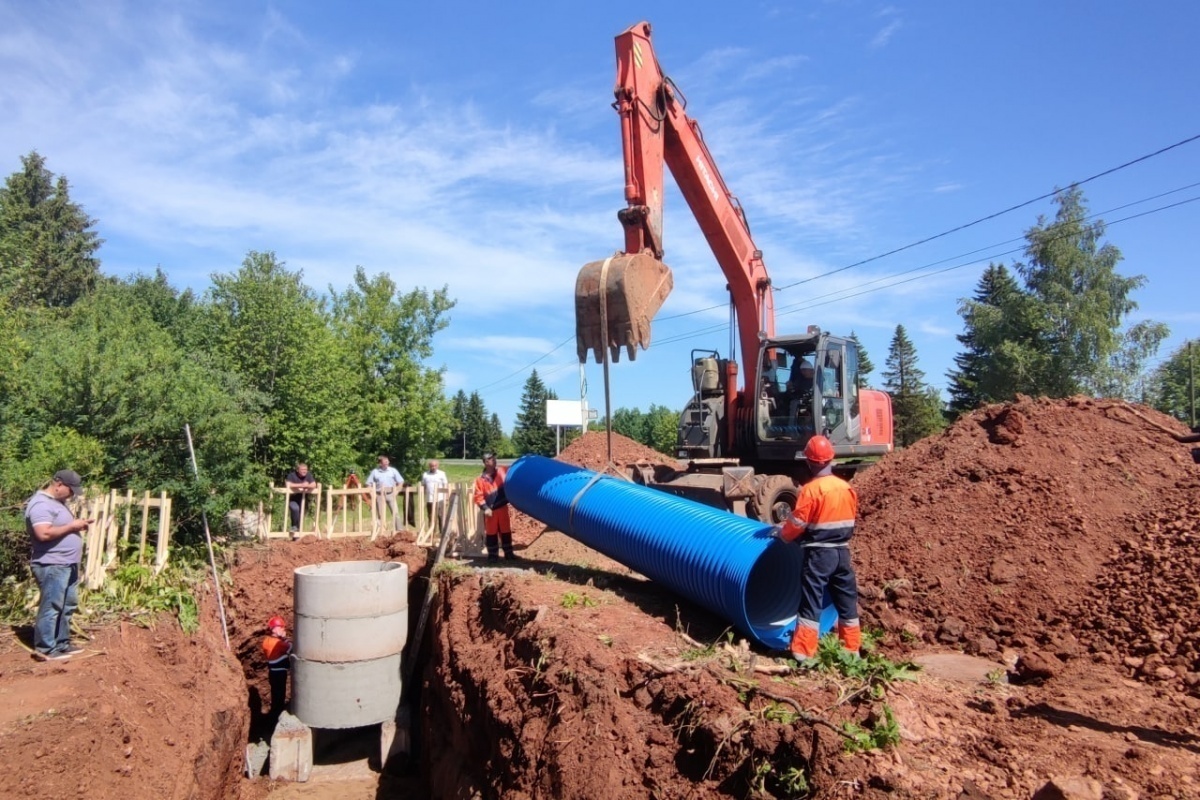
(824, 514)
(277, 651)
(498, 522)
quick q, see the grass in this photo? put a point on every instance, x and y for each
(460, 473)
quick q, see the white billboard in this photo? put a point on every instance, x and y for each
(564, 412)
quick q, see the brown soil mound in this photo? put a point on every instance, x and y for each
(146, 712)
(1142, 613)
(590, 451)
(991, 533)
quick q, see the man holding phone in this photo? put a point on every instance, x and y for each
(56, 551)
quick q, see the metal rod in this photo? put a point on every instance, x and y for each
(212, 560)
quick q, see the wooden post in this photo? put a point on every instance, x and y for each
(128, 515)
(145, 527)
(164, 532)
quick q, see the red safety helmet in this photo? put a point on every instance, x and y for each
(819, 449)
(276, 622)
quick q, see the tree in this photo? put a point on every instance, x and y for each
(531, 434)
(865, 365)
(1058, 333)
(662, 429)
(630, 423)
(1124, 374)
(401, 408)
(972, 381)
(478, 438)
(1171, 388)
(916, 406)
(47, 245)
(108, 385)
(266, 326)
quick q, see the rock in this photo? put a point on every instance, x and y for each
(951, 630)
(1074, 788)
(1034, 668)
(982, 646)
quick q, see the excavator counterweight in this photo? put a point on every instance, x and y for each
(615, 299)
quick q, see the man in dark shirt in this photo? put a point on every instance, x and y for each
(303, 487)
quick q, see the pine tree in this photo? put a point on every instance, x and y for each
(532, 435)
(916, 406)
(865, 365)
(478, 439)
(971, 381)
(47, 244)
(458, 410)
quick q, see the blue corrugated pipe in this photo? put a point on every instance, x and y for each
(726, 563)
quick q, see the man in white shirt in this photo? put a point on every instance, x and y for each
(435, 481)
(387, 481)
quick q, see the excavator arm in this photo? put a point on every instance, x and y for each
(617, 297)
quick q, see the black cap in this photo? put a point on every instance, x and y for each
(69, 477)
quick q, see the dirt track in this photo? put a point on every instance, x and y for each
(1055, 539)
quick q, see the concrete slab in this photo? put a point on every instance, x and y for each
(291, 750)
(961, 667)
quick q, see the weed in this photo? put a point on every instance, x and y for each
(997, 677)
(605, 640)
(451, 568)
(551, 575)
(794, 782)
(778, 712)
(572, 600)
(872, 669)
(883, 734)
(135, 590)
(16, 600)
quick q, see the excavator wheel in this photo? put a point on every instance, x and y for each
(624, 291)
(775, 499)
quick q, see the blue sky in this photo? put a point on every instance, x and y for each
(472, 145)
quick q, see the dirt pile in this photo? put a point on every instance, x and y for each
(147, 712)
(590, 451)
(989, 534)
(1142, 613)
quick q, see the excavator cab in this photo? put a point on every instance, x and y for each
(615, 299)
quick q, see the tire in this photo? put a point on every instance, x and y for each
(775, 499)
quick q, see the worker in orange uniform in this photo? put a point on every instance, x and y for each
(823, 523)
(496, 525)
(277, 647)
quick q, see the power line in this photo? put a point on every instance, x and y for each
(991, 216)
(725, 326)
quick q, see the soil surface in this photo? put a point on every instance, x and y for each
(1039, 558)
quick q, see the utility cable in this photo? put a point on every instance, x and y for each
(992, 216)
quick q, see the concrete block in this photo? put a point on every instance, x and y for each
(256, 758)
(291, 750)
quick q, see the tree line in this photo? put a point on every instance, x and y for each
(102, 373)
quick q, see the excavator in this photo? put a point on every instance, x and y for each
(741, 444)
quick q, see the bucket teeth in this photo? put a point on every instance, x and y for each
(628, 290)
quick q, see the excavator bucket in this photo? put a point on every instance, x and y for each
(615, 299)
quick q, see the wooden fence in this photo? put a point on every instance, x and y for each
(330, 513)
(115, 515)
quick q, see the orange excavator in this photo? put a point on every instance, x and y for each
(742, 444)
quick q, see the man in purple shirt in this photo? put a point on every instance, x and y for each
(56, 550)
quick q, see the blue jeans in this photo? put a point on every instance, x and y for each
(57, 585)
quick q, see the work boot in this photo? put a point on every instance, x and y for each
(507, 543)
(851, 637)
(804, 642)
